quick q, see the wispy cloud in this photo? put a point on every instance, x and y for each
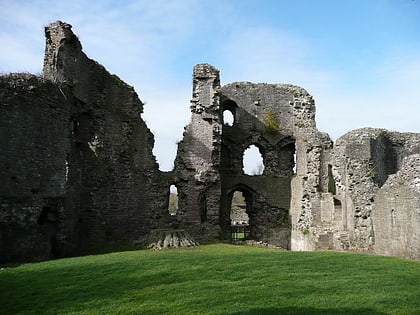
(388, 98)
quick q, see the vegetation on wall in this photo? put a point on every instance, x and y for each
(271, 122)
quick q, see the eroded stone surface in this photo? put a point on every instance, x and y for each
(396, 212)
(77, 165)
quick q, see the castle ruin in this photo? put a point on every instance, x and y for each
(78, 173)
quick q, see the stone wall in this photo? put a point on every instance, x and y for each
(362, 162)
(34, 159)
(196, 166)
(396, 213)
(77, 150)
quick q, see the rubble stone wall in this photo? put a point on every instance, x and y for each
(396, 213)
(198, 158)
(77, 150)
(363, 160)
(34, 159)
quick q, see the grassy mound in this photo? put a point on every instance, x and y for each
(214, 279)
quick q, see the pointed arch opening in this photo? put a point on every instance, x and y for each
(253, 161)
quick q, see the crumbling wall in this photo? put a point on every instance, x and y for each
(75, 147)
(280, 120)
(362, 162)
(396, 213)
(310, 183)
(262, 117)
(116, 176)
(198, 158)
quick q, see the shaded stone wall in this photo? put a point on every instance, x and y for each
(116, 176)
(280, 121)
(396, 213)
(262, 117)
(76, 147)
(34, 134)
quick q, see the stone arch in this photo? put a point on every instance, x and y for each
(249, 196)
(229, 112)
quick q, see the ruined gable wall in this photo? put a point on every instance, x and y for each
(118, 178)
(74, 142)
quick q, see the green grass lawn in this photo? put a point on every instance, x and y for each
(214, 279)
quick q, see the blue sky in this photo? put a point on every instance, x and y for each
(359, 59)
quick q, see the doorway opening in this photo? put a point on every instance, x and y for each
(240, 203)
(238, 215)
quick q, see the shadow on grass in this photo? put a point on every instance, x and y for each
(70, 290)
(308, 311)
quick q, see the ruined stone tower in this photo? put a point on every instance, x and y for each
(78, 173)
(198, 157)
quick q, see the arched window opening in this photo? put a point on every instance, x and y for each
(229, 112)
(228, 118)
(173, 200)
(253, 162)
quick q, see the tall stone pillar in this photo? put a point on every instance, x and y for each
(198, 157)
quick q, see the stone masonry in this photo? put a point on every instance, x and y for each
(78, 173)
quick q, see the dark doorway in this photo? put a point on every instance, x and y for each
(49, 220)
